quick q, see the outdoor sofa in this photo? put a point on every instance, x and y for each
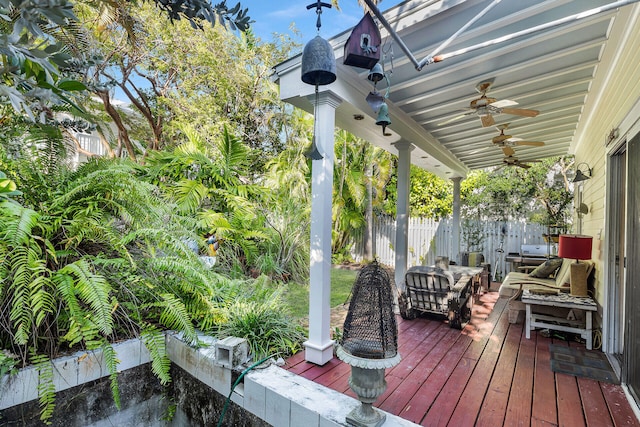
(552, 276)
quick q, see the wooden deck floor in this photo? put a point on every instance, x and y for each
(488, 374)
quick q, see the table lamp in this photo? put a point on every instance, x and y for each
(578, 247)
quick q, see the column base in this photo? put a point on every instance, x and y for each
(318, 354)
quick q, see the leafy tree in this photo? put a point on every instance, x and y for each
(172, 76)
(35, 39)
(360, 174)
(429, 195)
(542, 193)
(211, 180)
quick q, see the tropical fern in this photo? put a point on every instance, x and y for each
(175, 316)
(102, 256)
(18, 222)
(111, 363)
(154, 341)
(46, 388)
(93, 290)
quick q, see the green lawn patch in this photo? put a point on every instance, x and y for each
(341, 282)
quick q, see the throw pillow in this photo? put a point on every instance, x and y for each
(547, 268)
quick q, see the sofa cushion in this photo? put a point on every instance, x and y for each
(511, 284)
(547, 268)
(515, 281)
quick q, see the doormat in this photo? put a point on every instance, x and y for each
(582, 363)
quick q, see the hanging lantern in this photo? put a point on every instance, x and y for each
(362, 47)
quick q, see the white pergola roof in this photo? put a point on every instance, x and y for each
(558, 71)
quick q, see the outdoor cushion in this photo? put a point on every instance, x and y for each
(547, 268)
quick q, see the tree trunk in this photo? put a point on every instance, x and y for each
(368, 232)
(123, 133)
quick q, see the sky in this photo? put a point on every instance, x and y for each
(278, 15)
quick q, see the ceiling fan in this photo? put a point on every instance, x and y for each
(506, 142)
(514, 161)
(485, 107)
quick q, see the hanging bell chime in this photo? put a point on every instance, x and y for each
(318, 62)
(383, 118)
(376, 73)
(318, 68)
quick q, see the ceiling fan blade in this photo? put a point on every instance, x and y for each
(520, 112)
(523, 165)
(487, 120)
(529, 143)
(503, 103)
(508, 151)
(453, 119)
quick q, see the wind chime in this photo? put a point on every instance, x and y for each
(362, 50)
(318, 69)
(376, 100)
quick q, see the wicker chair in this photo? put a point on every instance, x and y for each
(436, 291)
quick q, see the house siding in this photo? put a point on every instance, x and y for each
(622, 89)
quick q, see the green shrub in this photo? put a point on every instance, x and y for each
(266, 324)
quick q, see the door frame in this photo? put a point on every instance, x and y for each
(612, 332)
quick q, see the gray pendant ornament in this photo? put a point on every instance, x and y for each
(318, 68)
(318, 62)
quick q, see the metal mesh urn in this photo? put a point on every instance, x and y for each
(369, 342)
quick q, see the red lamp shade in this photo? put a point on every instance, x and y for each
(574, 246)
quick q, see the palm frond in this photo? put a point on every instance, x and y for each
(46, 387)
(111, 363)
(189, 195)
(234, 152)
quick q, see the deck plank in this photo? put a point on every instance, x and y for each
(469, 404)
(461, 378)
(493, 409)
(596, 411)
(448, 398)
(521, 396)
(428, 392)
(419, 352)
(621, 412)
(544, 411)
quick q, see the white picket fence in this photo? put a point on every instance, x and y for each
(428, 239)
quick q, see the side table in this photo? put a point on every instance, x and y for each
(563, 300)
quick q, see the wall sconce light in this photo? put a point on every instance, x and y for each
(582, 176)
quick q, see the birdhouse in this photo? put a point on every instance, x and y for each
(362, 48)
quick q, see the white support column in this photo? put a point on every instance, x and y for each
(455, 231)
(319, 346)
(402, 211)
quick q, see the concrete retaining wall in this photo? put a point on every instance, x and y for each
(267, 395)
